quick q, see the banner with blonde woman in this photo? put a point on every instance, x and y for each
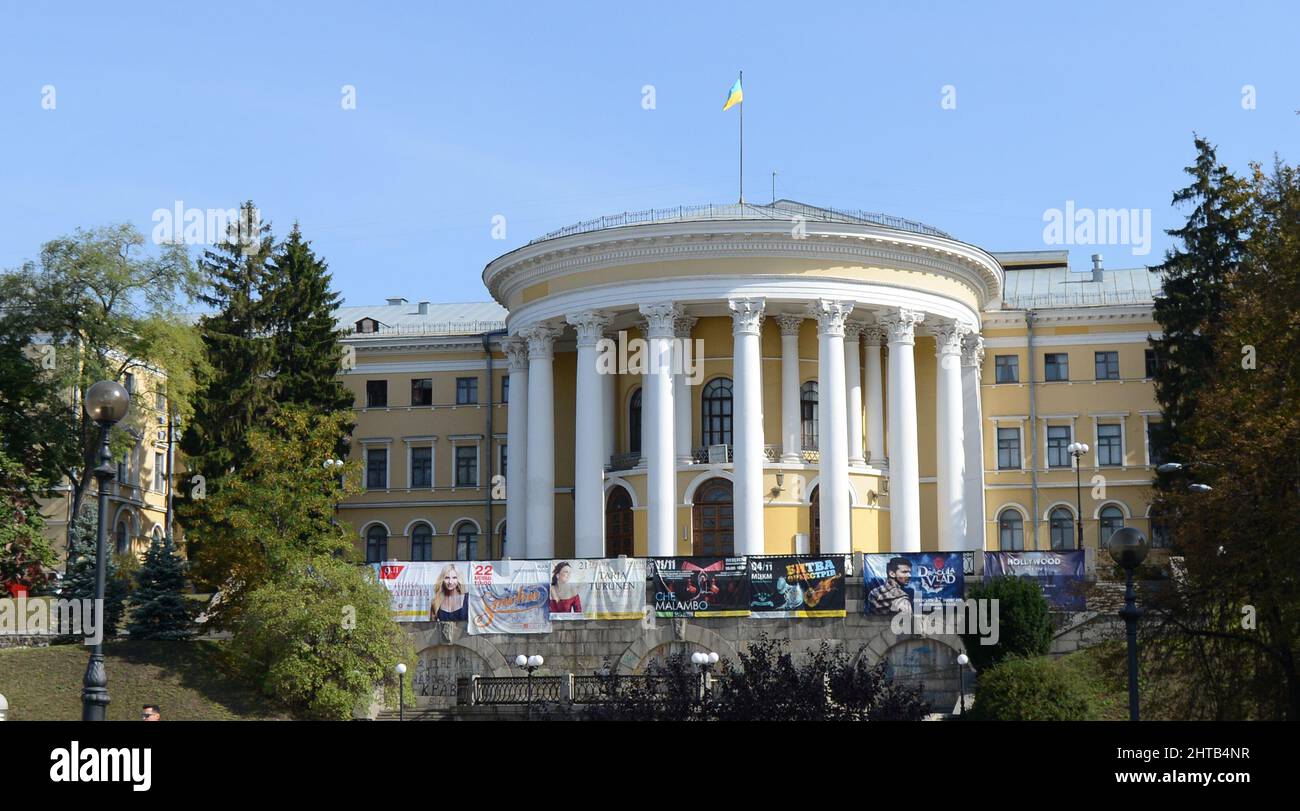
(597, 589)
(509, 597)
(421, 592)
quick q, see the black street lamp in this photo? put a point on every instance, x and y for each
(529, 663)
(401, 691)
(1077, 450)
(1128, 548)
(106, 403)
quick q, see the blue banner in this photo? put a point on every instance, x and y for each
(911, 581)
(1060, 575)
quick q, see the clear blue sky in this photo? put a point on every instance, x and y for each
(469, 110)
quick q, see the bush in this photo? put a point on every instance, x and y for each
(1024, 624)
(1039, 689)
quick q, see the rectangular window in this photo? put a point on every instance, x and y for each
(377, 468)
(159, 472)
(504, 457)
(1008, 449)
(505, 389)
(1110, 445)
(466, 390)
(160, 404)
(422, 391)
(122, 471)
(1056, 366)
(376, 394)
(1153, 444)
(421, 467)
(1058, 439)
(1151, 363)
(466, 466)
(1107, 365)
(1006, 369)
(128, 382)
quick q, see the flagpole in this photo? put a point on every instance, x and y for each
(742, 139)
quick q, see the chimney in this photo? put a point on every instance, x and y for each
(424, 308)
(1097, 270)
(396, 300)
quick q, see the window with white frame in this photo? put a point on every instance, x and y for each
(422, 466)
(1008, 448)
(466, 541)
(1111, 519)
(1058, 440)
(1061, 526)
(159, 472)
(377, 468)
(1110, 445)
(466, 465)
(421, 542)
(1011, 530)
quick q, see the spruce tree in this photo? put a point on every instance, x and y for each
(1194, 299)
(304, 334)
(79, 581)
(159, 607)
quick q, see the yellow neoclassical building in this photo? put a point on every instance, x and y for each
(755, 380)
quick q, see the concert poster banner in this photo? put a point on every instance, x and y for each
(700, 587)
(597, 589)
(509, 597)
(783, 586)
(1060, 575)
(911, 581)
(424, 591)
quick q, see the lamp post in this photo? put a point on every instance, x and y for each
(1128, 548)
(530, 664)
(962, 661)
(106, 404)
(401, 691)
(704, 662)
(1077, 450)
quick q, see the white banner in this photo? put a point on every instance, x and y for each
(597, 589)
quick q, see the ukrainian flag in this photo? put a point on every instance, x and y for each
(734, 96)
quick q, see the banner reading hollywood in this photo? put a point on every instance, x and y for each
(509, 597)
(1060, 575)
(788, 586)
(911, 581)
(601, 589)
(700, 587)
(424, 591)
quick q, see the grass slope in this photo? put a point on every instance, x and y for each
(189, 680)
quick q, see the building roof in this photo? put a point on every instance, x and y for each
(1036, 287)
(402, 317)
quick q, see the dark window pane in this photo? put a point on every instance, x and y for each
(377, 468)
(421, 467)
(422, 391)
(1006, 369)
(376, 394)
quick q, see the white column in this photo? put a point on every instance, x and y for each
(832, 425)
(791, 434)
(517, 449)
(589, 441)
(875, 336)
(904, 470)
(682, 399)
(608, 383)
(973, 439)
(540, 512)
(950, 468)
(853, 391)
(657, 423)
(747, 423)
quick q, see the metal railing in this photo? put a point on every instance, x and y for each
(1049, 300)
(742, 211)
(430, 328)
(623, 461)
(515, 689)
(700, 455)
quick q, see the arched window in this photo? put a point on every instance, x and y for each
(808, 414)
(422, 542)
(1061, 522)
(715, 412)
(715, 522)
(122, 537)
(466, 541)
(1112, 519)
(634, 423)
(1011, 531)
(376, 544)
(618, 523)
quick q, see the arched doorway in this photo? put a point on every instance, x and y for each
(815, 522)
(618, 523)
(714, 519)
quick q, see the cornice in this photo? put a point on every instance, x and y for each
(1102, 314)
(665, 242)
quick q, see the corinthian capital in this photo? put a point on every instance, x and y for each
(746, 315)
(516, 349)
(853, 330)
(541, 340)
(948, 337)
(874, 334)
(790, 324)
(831, 315)
(682, 326)
(972, 349)
(590, 326)
(900, 325)
(659, 319)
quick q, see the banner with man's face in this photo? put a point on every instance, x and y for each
(911, 581)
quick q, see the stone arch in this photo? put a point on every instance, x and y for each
(678, 630)
(817, 480)
(618, 481)
(1113, 502)
(688, 499)
(411, 525)
(448, 634)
